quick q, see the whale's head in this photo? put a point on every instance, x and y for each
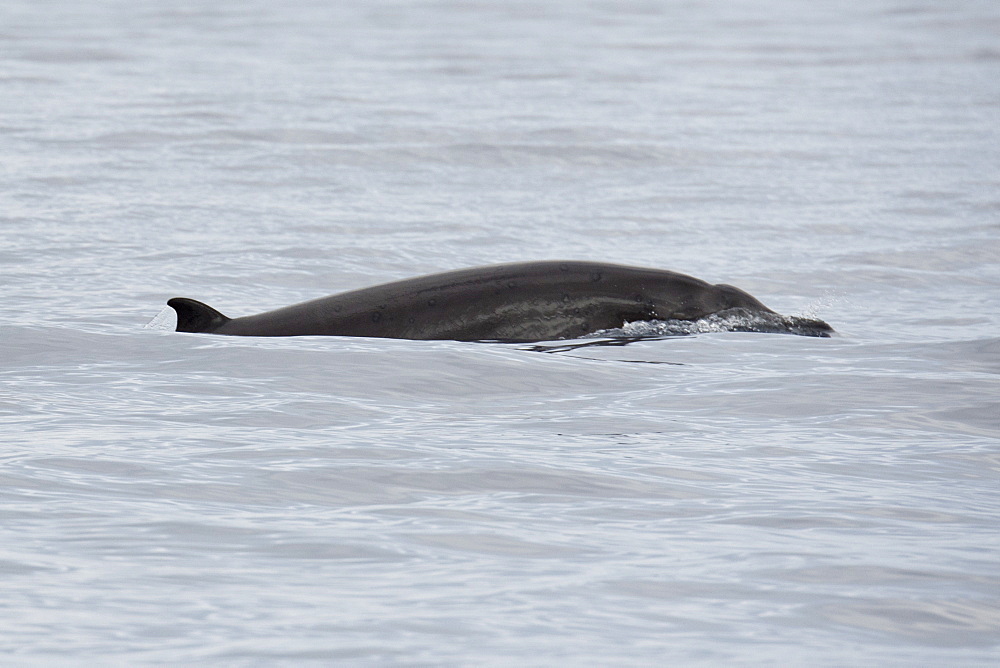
(767, 319)
(730, 296)
(807, 326)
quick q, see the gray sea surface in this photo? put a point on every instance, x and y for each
(722, 498)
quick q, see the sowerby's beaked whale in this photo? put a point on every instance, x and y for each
(522, 302)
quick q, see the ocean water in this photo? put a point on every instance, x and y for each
(723, 498)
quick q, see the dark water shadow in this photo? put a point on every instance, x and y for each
(588, 343)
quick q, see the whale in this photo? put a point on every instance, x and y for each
(515, 302)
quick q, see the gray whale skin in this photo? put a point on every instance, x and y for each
(519, 302)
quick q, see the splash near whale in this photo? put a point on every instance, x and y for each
(519, 302)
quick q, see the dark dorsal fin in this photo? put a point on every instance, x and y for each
(193, 316)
